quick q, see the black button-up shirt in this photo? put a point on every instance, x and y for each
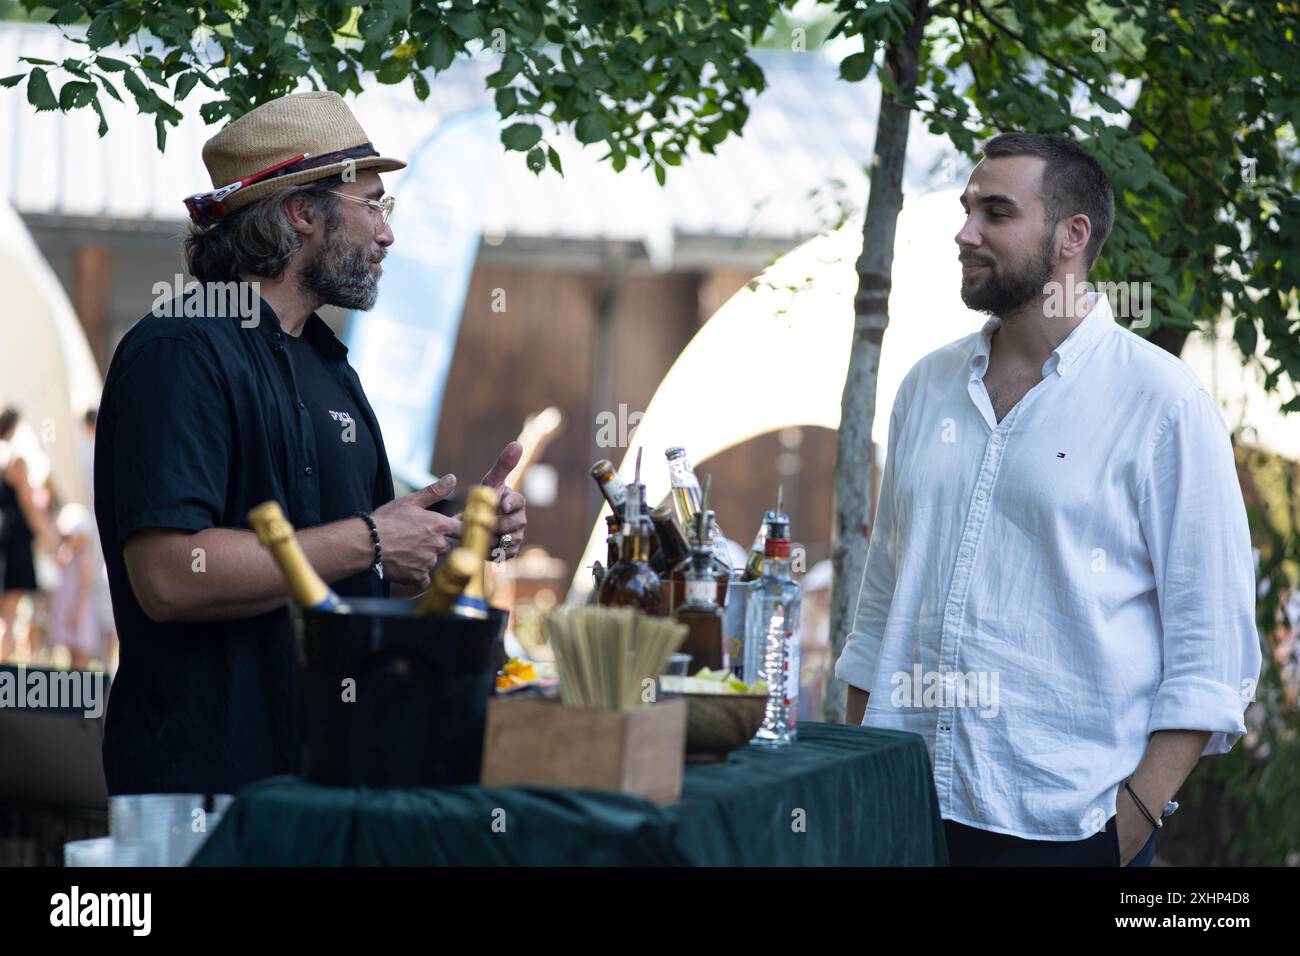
(201, 420)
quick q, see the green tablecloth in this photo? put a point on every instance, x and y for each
(840, 796)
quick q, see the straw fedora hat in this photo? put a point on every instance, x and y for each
(289, 141)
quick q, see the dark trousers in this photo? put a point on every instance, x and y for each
(968, 846)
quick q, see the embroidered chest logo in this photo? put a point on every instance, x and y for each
(1059, 454)
(342, 417)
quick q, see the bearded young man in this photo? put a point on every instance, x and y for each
(1059, 518)
(205, 416)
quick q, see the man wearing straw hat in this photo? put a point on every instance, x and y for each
(232, 394)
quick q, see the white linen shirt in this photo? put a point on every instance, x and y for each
(1086, 562)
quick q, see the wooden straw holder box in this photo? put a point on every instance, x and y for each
(542, 743)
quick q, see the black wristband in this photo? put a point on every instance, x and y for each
(1156, 824)
(378, 566)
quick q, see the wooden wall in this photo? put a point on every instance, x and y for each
(543, 350)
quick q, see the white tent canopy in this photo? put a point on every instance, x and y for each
(46, 366)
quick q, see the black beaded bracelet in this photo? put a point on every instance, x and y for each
(378, 566)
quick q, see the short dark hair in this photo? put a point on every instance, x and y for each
(1073, 181)
(257, 239)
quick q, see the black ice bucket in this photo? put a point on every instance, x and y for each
(391, 699)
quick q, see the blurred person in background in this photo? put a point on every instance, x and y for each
(101, 600)
(74, 621)
(22, 520)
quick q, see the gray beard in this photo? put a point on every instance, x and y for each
(341, 275)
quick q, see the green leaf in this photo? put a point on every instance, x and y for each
(591, 128)
(109, 87)
(185, 84)
(39, 93)
(101, 32)
(511, 64)
(420, 84)
(468, 26)
(507, 101)
(110, 64)
(211, 112)
(521, 136)
(12, 80)
(75, 68)
(441, 52)
(103, 123)
(423, 23)
(392, 70)
(1246, 336)
(375, 24)
(135, 86)
(160, 127)
(555, 34)
(855, 67)
(536, 159)
(555, 159)
(75, 95)
(68, 14)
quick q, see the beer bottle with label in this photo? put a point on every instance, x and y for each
(611, 486)
(686, 500)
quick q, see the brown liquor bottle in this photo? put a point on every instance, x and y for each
(632, 582)
(613, 540)
(673, 548)
(701, 613)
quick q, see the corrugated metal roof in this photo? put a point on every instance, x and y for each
(805, 130)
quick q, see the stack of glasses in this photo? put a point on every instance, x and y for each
(152, 829)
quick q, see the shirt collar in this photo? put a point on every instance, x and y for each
(1096, 323)
(315, 331)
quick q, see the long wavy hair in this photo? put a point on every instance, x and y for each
(257, 240)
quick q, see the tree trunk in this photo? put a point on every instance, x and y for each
(851, 529)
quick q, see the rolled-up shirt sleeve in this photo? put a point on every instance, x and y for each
(172, 440)
(1194, 522)
(857, 663)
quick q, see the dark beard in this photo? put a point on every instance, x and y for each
(341, 274)
(1000, 294)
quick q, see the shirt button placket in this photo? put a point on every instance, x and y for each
(949, 645)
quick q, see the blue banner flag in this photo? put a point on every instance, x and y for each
(402, 348)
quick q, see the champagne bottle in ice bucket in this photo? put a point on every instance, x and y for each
(276, 534)
(450, 578)
(480, 514)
